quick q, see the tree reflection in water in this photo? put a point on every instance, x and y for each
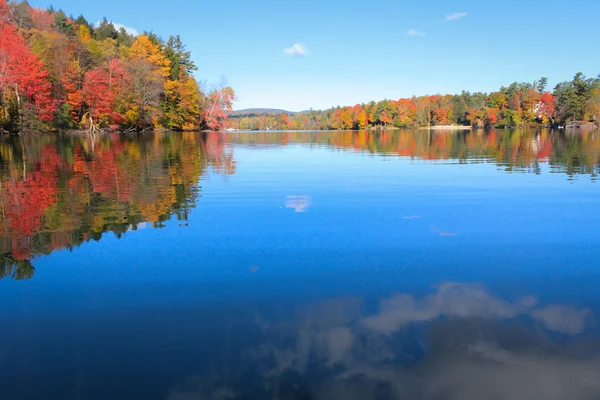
(58, 192)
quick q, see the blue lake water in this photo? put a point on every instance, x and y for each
(307, 265)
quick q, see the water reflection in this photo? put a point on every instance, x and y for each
(57, 192)
(513, 150)
(333, 297)
(299, 204)
(459, 342)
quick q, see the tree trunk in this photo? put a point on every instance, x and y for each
(20, 114)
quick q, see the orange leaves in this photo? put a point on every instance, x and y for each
(491, 116)
(530, 99)
(144, 49)
(284, 122)
(73, 85)
(361, 120)
(406, 111)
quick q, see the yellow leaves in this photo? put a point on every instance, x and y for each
(144, 49)
(171, 88)
(361, 120)
(6, 151)
(132, 115)
(184, 100)
(103, 50)
(97, 223)
(84, 34)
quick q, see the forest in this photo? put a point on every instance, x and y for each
(58, 72)
(576, 102)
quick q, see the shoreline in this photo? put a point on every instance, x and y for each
(447, 127)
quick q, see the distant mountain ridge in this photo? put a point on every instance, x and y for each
(249, 112)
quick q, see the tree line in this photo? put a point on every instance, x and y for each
(58, 72)
(517, 105)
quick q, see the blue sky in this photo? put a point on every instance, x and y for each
(357, 51)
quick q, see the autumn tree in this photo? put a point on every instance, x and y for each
(25, 98)
(144, 49)
(215, 107)
(182, 103)
(97, 98)
(146, 88)
(545, 108)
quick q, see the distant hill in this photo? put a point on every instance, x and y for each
(250, 112)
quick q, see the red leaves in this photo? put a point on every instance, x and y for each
(546, 105)
(219, 103)
(96, 93)
(21, 72)
(4, 12)
(27, 200)
(492, 116)
(42, 19)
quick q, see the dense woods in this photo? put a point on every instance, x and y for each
(58, 72)
(518, 105)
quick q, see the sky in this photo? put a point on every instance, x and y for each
(319, 54)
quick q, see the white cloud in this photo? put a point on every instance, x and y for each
(297, 50)
(455, 16)
(414, 32)
(129, 30)
(118, 27)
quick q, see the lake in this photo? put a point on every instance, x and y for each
(301, 265)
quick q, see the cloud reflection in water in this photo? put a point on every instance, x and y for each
(299, 204)
(460, 342)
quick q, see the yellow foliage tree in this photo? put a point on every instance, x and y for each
(144, 49)
(183, 103)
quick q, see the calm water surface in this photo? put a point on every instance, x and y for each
(330, 265)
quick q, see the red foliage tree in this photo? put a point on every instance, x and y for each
(96, 94)
(42, 19)
(216, 108)
(21, 72)
(546, 106)
(492, 116)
